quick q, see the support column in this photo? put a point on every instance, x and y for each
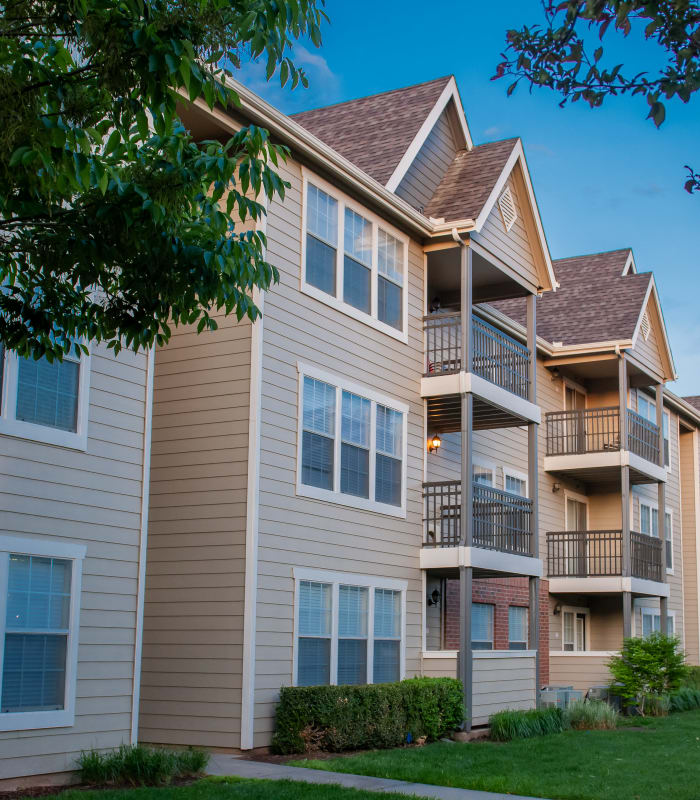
(624, 479)
(465, 641)
(466, 301)
(466, 518)
(533, 428)
(626, 614)
(663, 601)
(622, 382)
(534, 632)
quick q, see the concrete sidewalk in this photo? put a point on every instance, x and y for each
(225, 764)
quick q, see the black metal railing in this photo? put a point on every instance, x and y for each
(597, 430)
(590, 554)
(643, 437)
(496, 357)
(501, 520)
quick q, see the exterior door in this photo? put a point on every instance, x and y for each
(576, 524)
(575, 402)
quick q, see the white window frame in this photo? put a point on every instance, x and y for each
(370, 582)
(667, 416)
(31, 720)
(587, 633)
(514, 473)
(579, 498)
(653, 611)
(527, 628)
(493, 629)
(376, 222)
(11, 426)
(653, 504)
(335, 495)
(486, 466)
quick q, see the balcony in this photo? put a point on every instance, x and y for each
(586, 444)
(502, 524)
(499, 375)
(593, 561)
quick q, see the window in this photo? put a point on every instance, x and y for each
(515, 482)
(574, 629)
(646, 407)
(353, 261)
(352, 444)
(517, 628)
(44, 401)
(349, 629)
(482, 475)
(649, 524)
(651, 622)
(482, 626)
(39, 604)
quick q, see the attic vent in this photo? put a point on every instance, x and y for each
(645, 326)
(507, 206)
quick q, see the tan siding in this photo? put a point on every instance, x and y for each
(648, 351)
(690, 494)
(430, 165)
(93, 498)
(296, 531)
(193, 627)
(580, 671)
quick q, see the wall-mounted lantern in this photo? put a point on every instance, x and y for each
(434, 444)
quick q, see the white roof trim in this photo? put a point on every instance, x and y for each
(448, 93)
(652, 292)
(630, 266)
(518, 155)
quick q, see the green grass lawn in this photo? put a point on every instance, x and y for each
(648, 759)
(228, 789)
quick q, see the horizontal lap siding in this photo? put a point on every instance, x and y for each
(690, 496)
(193, 626)
(93, 498)
(581, 672)
(296, 531)
(501, 683)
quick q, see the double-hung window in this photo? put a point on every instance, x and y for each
(353, 260)
(646, 407)
(350, 629)
(352, 444)
(482, 475)
(482, 626)
(651, 622)
(517, 628)
(649, 524)
(515, 482)
(39, 607)
(44, 401)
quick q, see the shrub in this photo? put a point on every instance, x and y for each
(140, 766)
(508, 725)
(692, 678)
(648, 668)
(686, 698)
(590, 715)
(337, 718)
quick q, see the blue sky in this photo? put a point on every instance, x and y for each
(604, 178)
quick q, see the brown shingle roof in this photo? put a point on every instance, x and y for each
(694, 400)
(468, 182)
(374, 132)
(594, 303)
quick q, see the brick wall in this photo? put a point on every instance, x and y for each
(501, 593)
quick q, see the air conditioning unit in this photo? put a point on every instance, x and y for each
(559, 696)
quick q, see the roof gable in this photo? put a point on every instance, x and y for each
(650, 339)
(375, 132)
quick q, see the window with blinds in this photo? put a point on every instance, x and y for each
(482, 626)
(515, 484)
(390, 280)
(363, 437)
(47, 394)
(321, 240)
(348, 634)
(651, 622)
(357, 266)
(37, 627)
(649, 524)
(517, 628)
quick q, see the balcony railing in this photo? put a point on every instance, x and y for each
(590, 554)
(597, 430)
(501, 520)
(496, 357)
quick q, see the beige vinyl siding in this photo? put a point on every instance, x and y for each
(92, 498)
(440, 667)
(513, 247)
(430, 164)
(579, 670)
(193, 622)
(690, 505)
(648, 351)
(297, 531)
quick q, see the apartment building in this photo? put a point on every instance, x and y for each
(74, 457)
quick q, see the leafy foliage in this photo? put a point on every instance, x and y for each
(563, 54)
(114, 222)
(692, 677)
(590, 715)
(508, 725)
(686, 698)
(648, 668)
(140, 766)
(337, 718)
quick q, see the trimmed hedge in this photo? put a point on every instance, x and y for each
(508, 725)
(336, 718)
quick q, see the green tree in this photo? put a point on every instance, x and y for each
(648, 668)
(114, 223)
(567, 53)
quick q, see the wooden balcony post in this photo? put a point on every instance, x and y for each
(626, 614)
(534, 632)
(660, 422)
(625, 521)
(532, 428)
(466, 303)
(466, 519)
(663, 601)
(622, 381)
(464, 668)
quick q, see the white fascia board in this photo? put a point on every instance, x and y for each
(448, 93)
(608, 585)
(652, 292)
(480, 558)
(630, 266)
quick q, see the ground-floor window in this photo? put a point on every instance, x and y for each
(349, 629)
(39, 606)
(651, 622)
(574, 628)
(482, 626)
(517, 628)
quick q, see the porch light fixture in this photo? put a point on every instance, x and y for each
(434, 597)
(434, 444)
(556, 487)
(557, 610)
